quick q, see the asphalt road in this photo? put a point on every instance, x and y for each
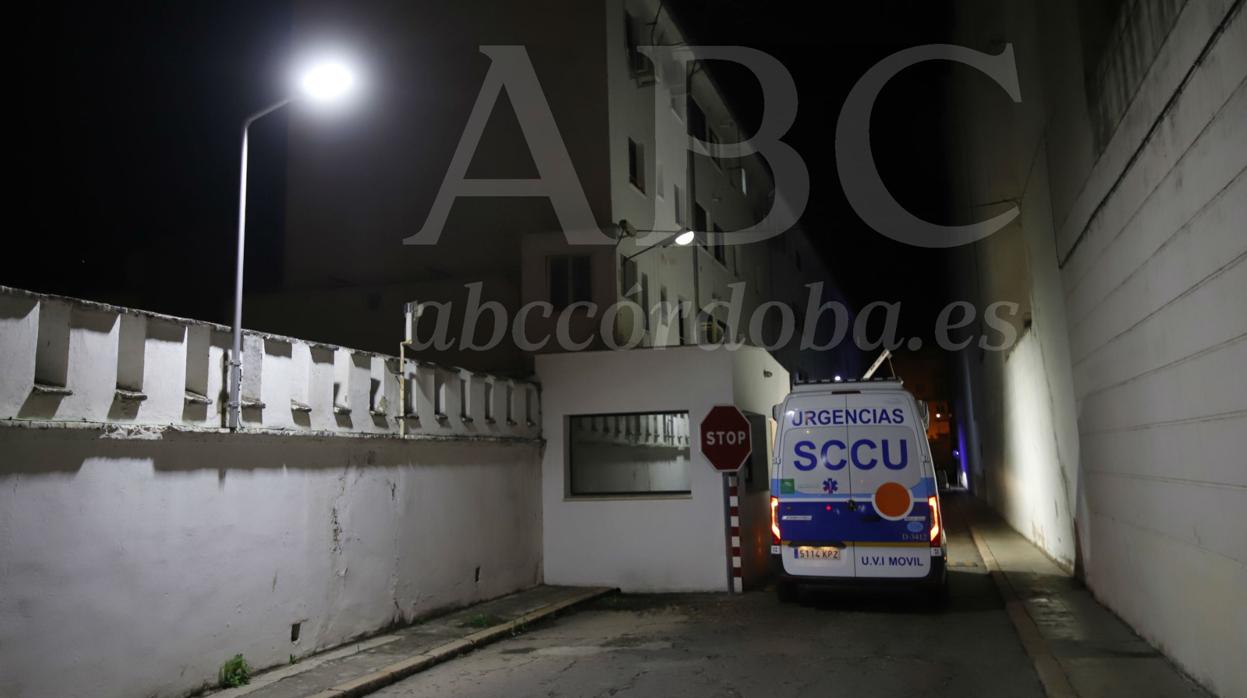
(838, 644)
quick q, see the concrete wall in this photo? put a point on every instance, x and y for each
(67, 360)
(641, 544)
(142, 545)
(136, 565)
(1116, 419)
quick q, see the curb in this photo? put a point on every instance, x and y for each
(1052, 675)
(393, 673)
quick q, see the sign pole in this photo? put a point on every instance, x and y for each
(735, 582)
(726, 437)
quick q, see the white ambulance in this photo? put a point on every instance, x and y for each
(853, 493)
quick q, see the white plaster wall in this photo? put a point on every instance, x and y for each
(640, 544)
(1127, 399)
(92, 374)
(164, 373)
(137, 566)
(19, 333)
(1155, 291)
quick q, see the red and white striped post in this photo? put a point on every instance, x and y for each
(733, 531)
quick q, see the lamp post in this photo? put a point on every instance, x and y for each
(324, 82)
(683, 238)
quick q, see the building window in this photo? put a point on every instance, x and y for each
(700, 223)
(569, 277)
(720, 250)
(678, 200)
(744, 181)
(664, 313)
(713, 140)
(697, 121)
(645, 309)
(628, 278)
(638, 64)
(650, 457)
(681, 320)
(636, 164)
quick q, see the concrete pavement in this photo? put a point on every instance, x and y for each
(828, 644)
(1096, 651)
(1014, 625)
(361, 668)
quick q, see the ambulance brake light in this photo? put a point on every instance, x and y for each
(775, 535)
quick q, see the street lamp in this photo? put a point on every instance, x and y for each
(323, 82)
(682, 237)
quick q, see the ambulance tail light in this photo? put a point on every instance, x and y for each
(775, 535)
(933, 503)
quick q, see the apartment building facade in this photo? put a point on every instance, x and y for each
(632, 339)
(361, 183)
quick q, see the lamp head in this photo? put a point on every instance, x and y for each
(685, 237)
(327, 81)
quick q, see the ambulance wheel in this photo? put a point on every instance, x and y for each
(786, 591)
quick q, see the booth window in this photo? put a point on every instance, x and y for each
(622, 455)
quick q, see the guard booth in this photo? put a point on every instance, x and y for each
(628, 497)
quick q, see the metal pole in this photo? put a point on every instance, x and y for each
(235, 357)
(691, 184)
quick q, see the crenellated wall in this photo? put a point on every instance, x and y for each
(68, 360)
(142, 544)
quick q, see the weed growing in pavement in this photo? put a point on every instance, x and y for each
(481, 620)
(235, 672)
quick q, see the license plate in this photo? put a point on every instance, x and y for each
(809, 552)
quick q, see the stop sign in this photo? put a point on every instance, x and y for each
(725, 438)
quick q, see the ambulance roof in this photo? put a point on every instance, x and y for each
(830, 386)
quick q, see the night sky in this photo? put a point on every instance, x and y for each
(131, 122)
(128, 148)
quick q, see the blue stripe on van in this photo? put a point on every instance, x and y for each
(925, 488)
(841, 525)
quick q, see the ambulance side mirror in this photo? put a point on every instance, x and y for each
(924, 414)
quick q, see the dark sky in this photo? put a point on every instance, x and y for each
(128, 154)
(128, 147)
(827, 52)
